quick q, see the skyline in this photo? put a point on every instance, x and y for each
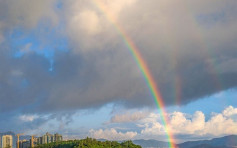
(80, 69)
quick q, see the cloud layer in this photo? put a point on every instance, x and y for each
(111, 134)
(195, 125)
(184, 126)
(128, 117)
(68, 55)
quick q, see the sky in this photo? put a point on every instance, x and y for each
(66, 67)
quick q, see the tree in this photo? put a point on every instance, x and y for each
(89, 143)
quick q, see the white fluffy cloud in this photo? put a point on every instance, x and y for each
(180, 123)
(150, 126)
(111, 134)
(28, 118)
(230, 111)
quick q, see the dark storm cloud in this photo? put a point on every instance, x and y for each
(188, 56)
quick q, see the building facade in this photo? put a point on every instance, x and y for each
(57, 137)
(48, 138)
(7, 141)
(24, 144)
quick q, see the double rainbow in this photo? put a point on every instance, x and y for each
(141, 63)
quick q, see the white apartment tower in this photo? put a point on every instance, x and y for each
(7, 141)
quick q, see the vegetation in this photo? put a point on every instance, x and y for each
(89, 143)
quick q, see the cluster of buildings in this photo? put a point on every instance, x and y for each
(7, 141)
(48, 138)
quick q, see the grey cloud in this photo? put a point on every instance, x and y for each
(20, 126)
(128, 117)
(177, 47)
(187, 59)
(25, 12)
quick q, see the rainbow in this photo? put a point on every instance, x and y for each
(141, 63)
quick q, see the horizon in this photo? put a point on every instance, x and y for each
(99, 139)
(119, 70)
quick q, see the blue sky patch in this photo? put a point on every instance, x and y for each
(43, 40)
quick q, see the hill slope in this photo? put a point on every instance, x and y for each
(151, 143)
(227, 141)
(89, 143)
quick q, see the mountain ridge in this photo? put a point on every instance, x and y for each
(229, 141)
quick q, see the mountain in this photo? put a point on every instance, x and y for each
(209, 146)
(102, 140)
(151, 143)
(227, 141)
(223, 142)
(7, 133)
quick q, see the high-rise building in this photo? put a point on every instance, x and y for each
(48, 138)
(35, 141)
(24, 144)
(40, 140)
(57, 137)
(7, 141)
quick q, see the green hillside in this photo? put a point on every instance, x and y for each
(89, 143)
